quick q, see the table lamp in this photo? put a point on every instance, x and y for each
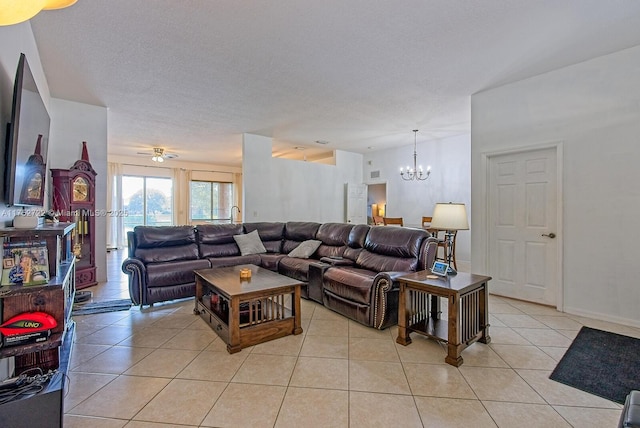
(450, 217)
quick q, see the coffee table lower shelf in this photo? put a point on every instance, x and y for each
(248, 334)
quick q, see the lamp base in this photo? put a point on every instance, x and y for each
(451, 271)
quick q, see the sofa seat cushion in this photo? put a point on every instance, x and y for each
(295, 267)
(271, 260)
(251, 259)
(174, 273)
(350, 283)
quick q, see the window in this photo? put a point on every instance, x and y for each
(211, 201)
(148, 201)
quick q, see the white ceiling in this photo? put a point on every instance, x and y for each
(192, 76)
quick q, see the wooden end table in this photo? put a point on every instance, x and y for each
(247, 312)
(468, 314)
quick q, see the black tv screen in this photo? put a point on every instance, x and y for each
(27, 142)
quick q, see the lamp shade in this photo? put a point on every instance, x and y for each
(16, 11)
(450, 216)
(58, 4)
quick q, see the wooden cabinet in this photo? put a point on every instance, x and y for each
(45, 408)
(54, 298)
(74, 199)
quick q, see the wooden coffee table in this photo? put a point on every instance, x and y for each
(247, 312)
(468, 310)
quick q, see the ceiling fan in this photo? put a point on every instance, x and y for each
(158, 154)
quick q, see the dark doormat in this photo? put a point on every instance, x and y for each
(101, 307)
(601, 363)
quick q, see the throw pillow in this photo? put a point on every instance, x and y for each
(250, 243)
(305, 249)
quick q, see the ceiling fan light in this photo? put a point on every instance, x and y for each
(58, 4)
(158, 154)
(16, 11)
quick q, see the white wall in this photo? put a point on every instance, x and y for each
(71, 124)
(593, 108)
(450, 181)
(289, 190)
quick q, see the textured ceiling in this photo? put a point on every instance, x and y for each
(192, 76)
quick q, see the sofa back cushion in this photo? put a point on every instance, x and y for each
(296, 232)
(271, 234)
(216, 240)
(392, 249)
(355, 244)
(334, 237)
(156, 244)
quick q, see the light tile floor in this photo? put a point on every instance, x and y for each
(163, 366)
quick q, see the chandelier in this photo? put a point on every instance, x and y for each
(415, 173)
(158, 154)
(16, 11)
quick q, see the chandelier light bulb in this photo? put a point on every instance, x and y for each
(415, 173)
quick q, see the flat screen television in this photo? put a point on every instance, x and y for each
(27, 142)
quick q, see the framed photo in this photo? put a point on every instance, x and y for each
(440, 268)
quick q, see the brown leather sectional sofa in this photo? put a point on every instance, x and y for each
(353, 271)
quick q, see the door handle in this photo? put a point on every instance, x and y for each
(551, 235)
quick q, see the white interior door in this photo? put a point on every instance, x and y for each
(523, 242)
(356, 203)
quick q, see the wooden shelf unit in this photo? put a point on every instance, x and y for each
(55, 297)
(45, 408)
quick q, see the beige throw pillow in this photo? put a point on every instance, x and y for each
(250, 243)
(305, 249)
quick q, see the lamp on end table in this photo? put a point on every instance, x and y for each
(450, 217)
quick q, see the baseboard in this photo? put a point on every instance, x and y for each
(627, 322)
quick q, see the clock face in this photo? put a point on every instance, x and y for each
(80, 189)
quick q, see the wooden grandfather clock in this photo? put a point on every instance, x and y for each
(74, 198)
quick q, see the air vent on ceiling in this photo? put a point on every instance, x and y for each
(375, 174)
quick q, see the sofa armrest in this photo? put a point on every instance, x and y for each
(384, 299)
(428, 253)
(137, 272)
(314, 286)
(337, 261)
